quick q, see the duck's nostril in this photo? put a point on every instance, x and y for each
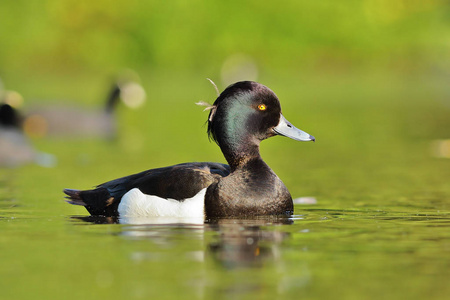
(289, 125)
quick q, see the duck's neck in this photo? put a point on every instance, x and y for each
(113, 99)
(240, 152)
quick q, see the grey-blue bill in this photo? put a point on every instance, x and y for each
(285, 128)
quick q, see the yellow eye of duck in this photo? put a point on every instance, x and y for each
(262, 107)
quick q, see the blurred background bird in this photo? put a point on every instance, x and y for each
(73, 121)
(15, 147)
(19, 124)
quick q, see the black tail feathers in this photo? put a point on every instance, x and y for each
(98, 201)
(73, 197)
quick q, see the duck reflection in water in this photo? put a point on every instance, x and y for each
(239, 243)
(245, 243)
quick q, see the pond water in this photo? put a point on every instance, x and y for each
(344, 254)
(380, 228)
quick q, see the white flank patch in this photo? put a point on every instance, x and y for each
(137, 204)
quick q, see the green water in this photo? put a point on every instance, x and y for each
(379, 230)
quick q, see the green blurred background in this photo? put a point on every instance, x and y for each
(98, 36)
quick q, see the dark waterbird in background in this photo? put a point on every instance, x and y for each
(243, 115)
(9, 117)
(63, 121)
(15, 147)
(68, 121)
